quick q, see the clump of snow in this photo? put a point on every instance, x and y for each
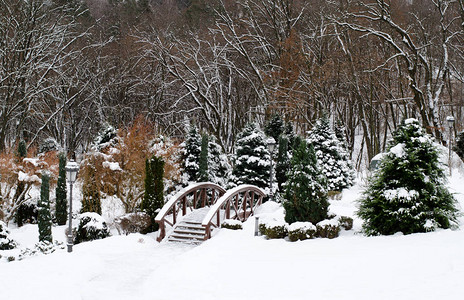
(398, 150)
(328, 222)
(113, 166)
(28, 178)
(400, 193)
(301, 226)
(232, 222)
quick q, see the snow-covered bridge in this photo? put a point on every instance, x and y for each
(191, 214)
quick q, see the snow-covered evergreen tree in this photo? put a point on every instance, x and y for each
(61, 201)
(459, 147)
(408, 193)
(282, 162)
(107, 136)
(191, 154)
(44, 217)
(305, 194)
(203, 174)
(6, 242)
(332, 158)
(218, 163)
(275, 127)
(252, 159)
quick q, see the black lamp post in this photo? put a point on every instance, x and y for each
(71, 174)
(271, 144)
(450, 120)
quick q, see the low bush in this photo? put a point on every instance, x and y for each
(232, 224)
(345, 222)
(26, 214)
(132, 223)
(301, 231)
(91, 227)
(6, 242)
(43, 247)
(328, 229)
(274, 229)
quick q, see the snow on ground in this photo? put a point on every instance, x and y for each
(237, 265)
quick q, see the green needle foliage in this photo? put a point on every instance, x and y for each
(61, 203)
(44, 217)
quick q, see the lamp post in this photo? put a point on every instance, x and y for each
(71, 173)
(450, 120)
(271, 144)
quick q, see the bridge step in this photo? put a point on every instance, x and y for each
(189, 232)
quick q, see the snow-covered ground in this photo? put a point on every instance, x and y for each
(237, 265)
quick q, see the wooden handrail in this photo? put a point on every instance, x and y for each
(230, 200)
(180, 200)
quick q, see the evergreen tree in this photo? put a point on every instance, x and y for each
(332, 158)
(44, 217)
(305, 194)
(407, 193)
(459, 147)
(275, 127)
(252, 159)
(153, 198)
(203, 160)
(218, 163)
(61, 203)
(191, 155)
(91, 193)
(283, 162)
(19, 193)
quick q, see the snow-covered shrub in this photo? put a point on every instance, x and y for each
(407, 193)
(132, 223)
(107, 137)
(6, 242)
(274, 229)
(49, 144)
(27, 213)
(328, 229)
(301, 231)
(345, 222)
(459, 147)
(331, 156)
(232, 224)
(91, 227)
(43, 247)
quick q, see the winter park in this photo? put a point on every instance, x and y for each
(239, 149)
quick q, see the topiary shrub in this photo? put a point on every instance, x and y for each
(232, 224)
(133, 222)
(274, 230)
(301, 231)
(345, 222)
(6, 242)
(91, 227)
(328, 229)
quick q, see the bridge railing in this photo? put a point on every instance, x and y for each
(237, 203)
(184, 200)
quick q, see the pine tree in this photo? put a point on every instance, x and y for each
(44, 216)
(332, 158)
(91, 193)
(218, 163)
(459, 147)
(19, 197)
(275, 127)
(61, 203)
(153, 198)
(283, 162)
(305, 194)
(203, 160)
(191, 157)
(408, 193)
(252, 159)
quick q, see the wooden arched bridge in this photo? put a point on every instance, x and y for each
(191, 214)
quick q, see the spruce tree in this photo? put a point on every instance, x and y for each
(218, 163)
(19, 196)
(283, 162)
(305, 194)
(191, 155)
(333, 159)
(91, 201)
(407, 193)
(252, 159)
(61, 203)
(459, 147)
(44, 217)
(274, 127)
(203, 174)
(153, 198)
